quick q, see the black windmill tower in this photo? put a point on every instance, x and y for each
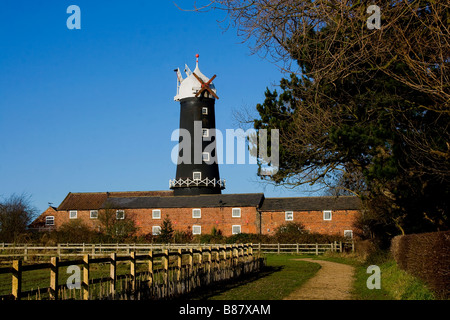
(197, 171)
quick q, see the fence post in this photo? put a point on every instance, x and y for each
(208, 263)
(112, 274)
(340, 246)
(25, 252)
(150, 268)
(58, 250)
(200, 259)
(278, 251)
(133, 270)
(166, 270)
(317, 249)
(85, 284)
(353, 245)
(17, 279)
(54, 278)
(179, 263)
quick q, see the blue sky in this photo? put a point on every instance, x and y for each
(93, 110)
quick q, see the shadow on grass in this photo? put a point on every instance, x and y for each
(204, 293)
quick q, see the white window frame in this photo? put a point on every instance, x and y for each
(95, 214)
(233, 215)
(73, 214)
(206, 159)
(205, 133)
(325, 213)
(196, 229)
(117, 214)
(156, 230)
(204, 110)
(287, 214)
(233, 229)
(199, 211)
(156, 214)
(351, 234)
(47, 220)
(196, 172)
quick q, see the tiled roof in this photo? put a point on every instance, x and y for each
(95, 200)
(165, 199)
(213, 200)
(311, 203)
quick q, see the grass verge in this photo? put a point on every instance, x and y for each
(396, 284)
(278, 279)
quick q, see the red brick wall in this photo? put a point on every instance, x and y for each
(221, 219)
(62, 217)
(312, 220)
(182, 220)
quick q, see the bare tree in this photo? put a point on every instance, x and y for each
(16, 213)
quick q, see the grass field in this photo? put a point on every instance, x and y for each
(281, 276)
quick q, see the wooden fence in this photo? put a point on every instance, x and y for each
(25, 251)
(169, 273)
(305, 248)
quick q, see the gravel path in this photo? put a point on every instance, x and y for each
(332, 282)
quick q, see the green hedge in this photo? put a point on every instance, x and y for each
(427, 257)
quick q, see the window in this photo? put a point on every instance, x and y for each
(156, 214)
(196, 213)
(327, 215)
(120, 214)
(49, 220)
(94, 214)
(204, 110)
(236, 229)
(348, 234)
(205, 156)
(289, 215)
(197, 175)
(205, 133)
(236, 212)
(196, 229)
(73, 214)
(156, 230)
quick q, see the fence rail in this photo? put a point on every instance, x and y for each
(170, 273)
(305, 248)
(9, 250)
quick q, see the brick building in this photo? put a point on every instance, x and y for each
(196, 201)
(230, 213)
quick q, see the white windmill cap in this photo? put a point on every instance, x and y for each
(190, 86)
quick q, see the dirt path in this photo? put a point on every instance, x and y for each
(332, 282)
